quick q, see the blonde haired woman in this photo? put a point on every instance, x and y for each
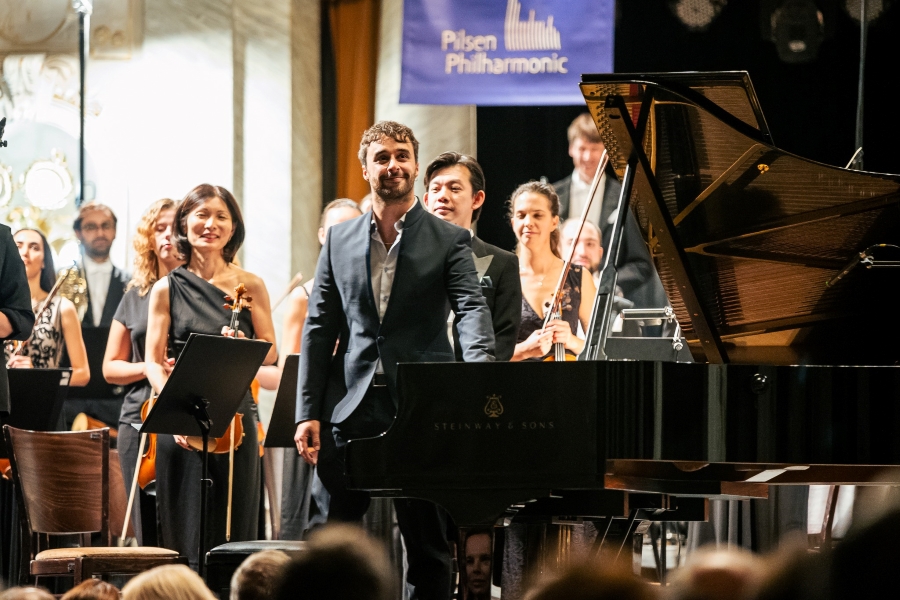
(123, 363)
(171, 582)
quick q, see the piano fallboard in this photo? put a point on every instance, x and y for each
(497, 434)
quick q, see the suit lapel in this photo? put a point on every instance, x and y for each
(366, 230)
(113, 295)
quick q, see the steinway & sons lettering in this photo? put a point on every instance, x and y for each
(495, 426)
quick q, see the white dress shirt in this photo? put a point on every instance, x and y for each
(383, 267)
(98, 276)
(578, 196)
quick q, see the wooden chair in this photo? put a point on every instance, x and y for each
(62, 487)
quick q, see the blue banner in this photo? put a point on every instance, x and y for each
(503, 52)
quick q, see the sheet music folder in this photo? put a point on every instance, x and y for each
(36, 399)
(283, 425)
(214, 368)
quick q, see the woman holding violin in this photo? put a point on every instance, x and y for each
(123, 363)
(208, 231)
(56, 324)
(534, 216)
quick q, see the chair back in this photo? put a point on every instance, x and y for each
(62, 478)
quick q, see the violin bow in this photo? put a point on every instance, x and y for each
(297, 280)
(133, 492)
(555, 306)
(239, 302)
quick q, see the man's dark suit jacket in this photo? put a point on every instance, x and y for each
(435, 273)
(636, 274)
(15, 302)
(502, 289)
(117, 282)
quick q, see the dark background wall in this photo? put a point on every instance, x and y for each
(810, 108)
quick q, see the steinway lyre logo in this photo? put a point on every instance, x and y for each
(493, 408)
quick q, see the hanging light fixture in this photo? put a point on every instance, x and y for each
(797, 28)
(697, 15)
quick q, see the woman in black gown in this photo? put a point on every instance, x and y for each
(534, 216)
(208, 232)
(123, 363)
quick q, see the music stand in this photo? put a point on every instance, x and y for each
(282, 425)
(202, 395)
(36, 399)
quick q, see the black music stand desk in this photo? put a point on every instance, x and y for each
(202, 395)
(282, 425)
(36, 400)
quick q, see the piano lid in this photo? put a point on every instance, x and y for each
(745, 235)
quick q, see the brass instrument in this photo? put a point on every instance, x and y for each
(74, 288)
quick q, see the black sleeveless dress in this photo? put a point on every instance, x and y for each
(196, 306)
(571, 304)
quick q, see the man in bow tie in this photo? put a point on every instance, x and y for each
(454, 185)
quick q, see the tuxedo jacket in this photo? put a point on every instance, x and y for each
(636, 274)
(435, 273)
(502, 290)
(15, 302)
(117, 282)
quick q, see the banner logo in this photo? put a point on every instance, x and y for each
(503, 52)
(530, 34)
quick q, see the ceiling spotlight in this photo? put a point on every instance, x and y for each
(874, 8)
(797, 28)
(697, 15)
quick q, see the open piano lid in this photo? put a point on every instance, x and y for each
(744, 235)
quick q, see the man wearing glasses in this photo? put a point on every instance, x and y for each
(95, 228)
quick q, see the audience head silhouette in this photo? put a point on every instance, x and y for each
(340, 561)
(170, 582)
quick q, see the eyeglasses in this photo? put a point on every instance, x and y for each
(93, 227)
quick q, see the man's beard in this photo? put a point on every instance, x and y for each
(95, 254)
(392, 196)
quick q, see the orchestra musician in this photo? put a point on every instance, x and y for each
(56, 325)
(301, 511)
(454, 185)
(534, 215)
(636, 273)
(16, 315)
(208, 231)
(123, 363)
(383, 285)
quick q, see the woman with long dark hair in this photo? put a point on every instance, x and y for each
(208, 231)
(56, 325)
(534, 216)
(123, 363)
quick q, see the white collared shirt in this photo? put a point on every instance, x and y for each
(383, 267)
(98, 276)
(578, 196)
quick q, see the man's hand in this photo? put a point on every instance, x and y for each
(307, 440)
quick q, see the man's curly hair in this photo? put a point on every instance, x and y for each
(387, 129)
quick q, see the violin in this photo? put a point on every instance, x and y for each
(554, 308)
(234, 435)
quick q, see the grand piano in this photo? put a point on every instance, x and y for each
(783, 370)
